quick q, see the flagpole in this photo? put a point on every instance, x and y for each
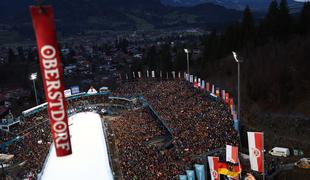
(263, 157)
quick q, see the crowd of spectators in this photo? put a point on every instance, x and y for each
(31, 145)
(33, 139)
(199, 123)
(5, 136)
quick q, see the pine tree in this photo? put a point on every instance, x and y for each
(21, 54)
(304, 19)
(11, 56)
(269, 26)
(248, 27)
(284, 20)
(150, 60)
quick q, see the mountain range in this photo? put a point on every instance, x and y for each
(258, 5)
(120, 14)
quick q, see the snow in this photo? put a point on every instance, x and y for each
(89, 158)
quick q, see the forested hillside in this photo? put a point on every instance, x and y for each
(275, 51)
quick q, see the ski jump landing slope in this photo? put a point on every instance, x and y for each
(89, 158)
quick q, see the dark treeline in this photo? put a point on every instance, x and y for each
(275, 51)
(277, 26)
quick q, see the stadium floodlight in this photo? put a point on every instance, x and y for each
(187, 53)
(33, 77)
(236, 57)
(238, 60)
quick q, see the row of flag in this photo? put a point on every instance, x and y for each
(197, 83)
(232, 166)
(215, 92)
(152, 74)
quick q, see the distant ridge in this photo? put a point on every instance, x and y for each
(120, 14)
(258, 5)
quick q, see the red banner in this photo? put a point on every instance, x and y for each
(44, 26)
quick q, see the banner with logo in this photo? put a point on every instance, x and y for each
(190, 174)
(200, 171)
(214, 165)
(255, 140)
(75, 90)
(49, 56)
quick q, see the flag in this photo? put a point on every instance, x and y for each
(223, 95)
(167, 74)
(195, 82)
(147, 73)
(231, 103)
(190, 174)
(203, 84)
(179, 75)
(161, 74)
(49, 57)
(208, 86)
(227, 98)
(153, 74)
(173, 74)
(200, 171)
(214, 165)
(233, 109)
(218, 92)
(230, 170)
(182, 177)
(255, 140)
(133, 75)
(139, 74)
(213, 89)
(191, 78)
(126, 76)
(236, 124)
(120, 76)
(199, 82)
(235, 117)
(232, 154)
